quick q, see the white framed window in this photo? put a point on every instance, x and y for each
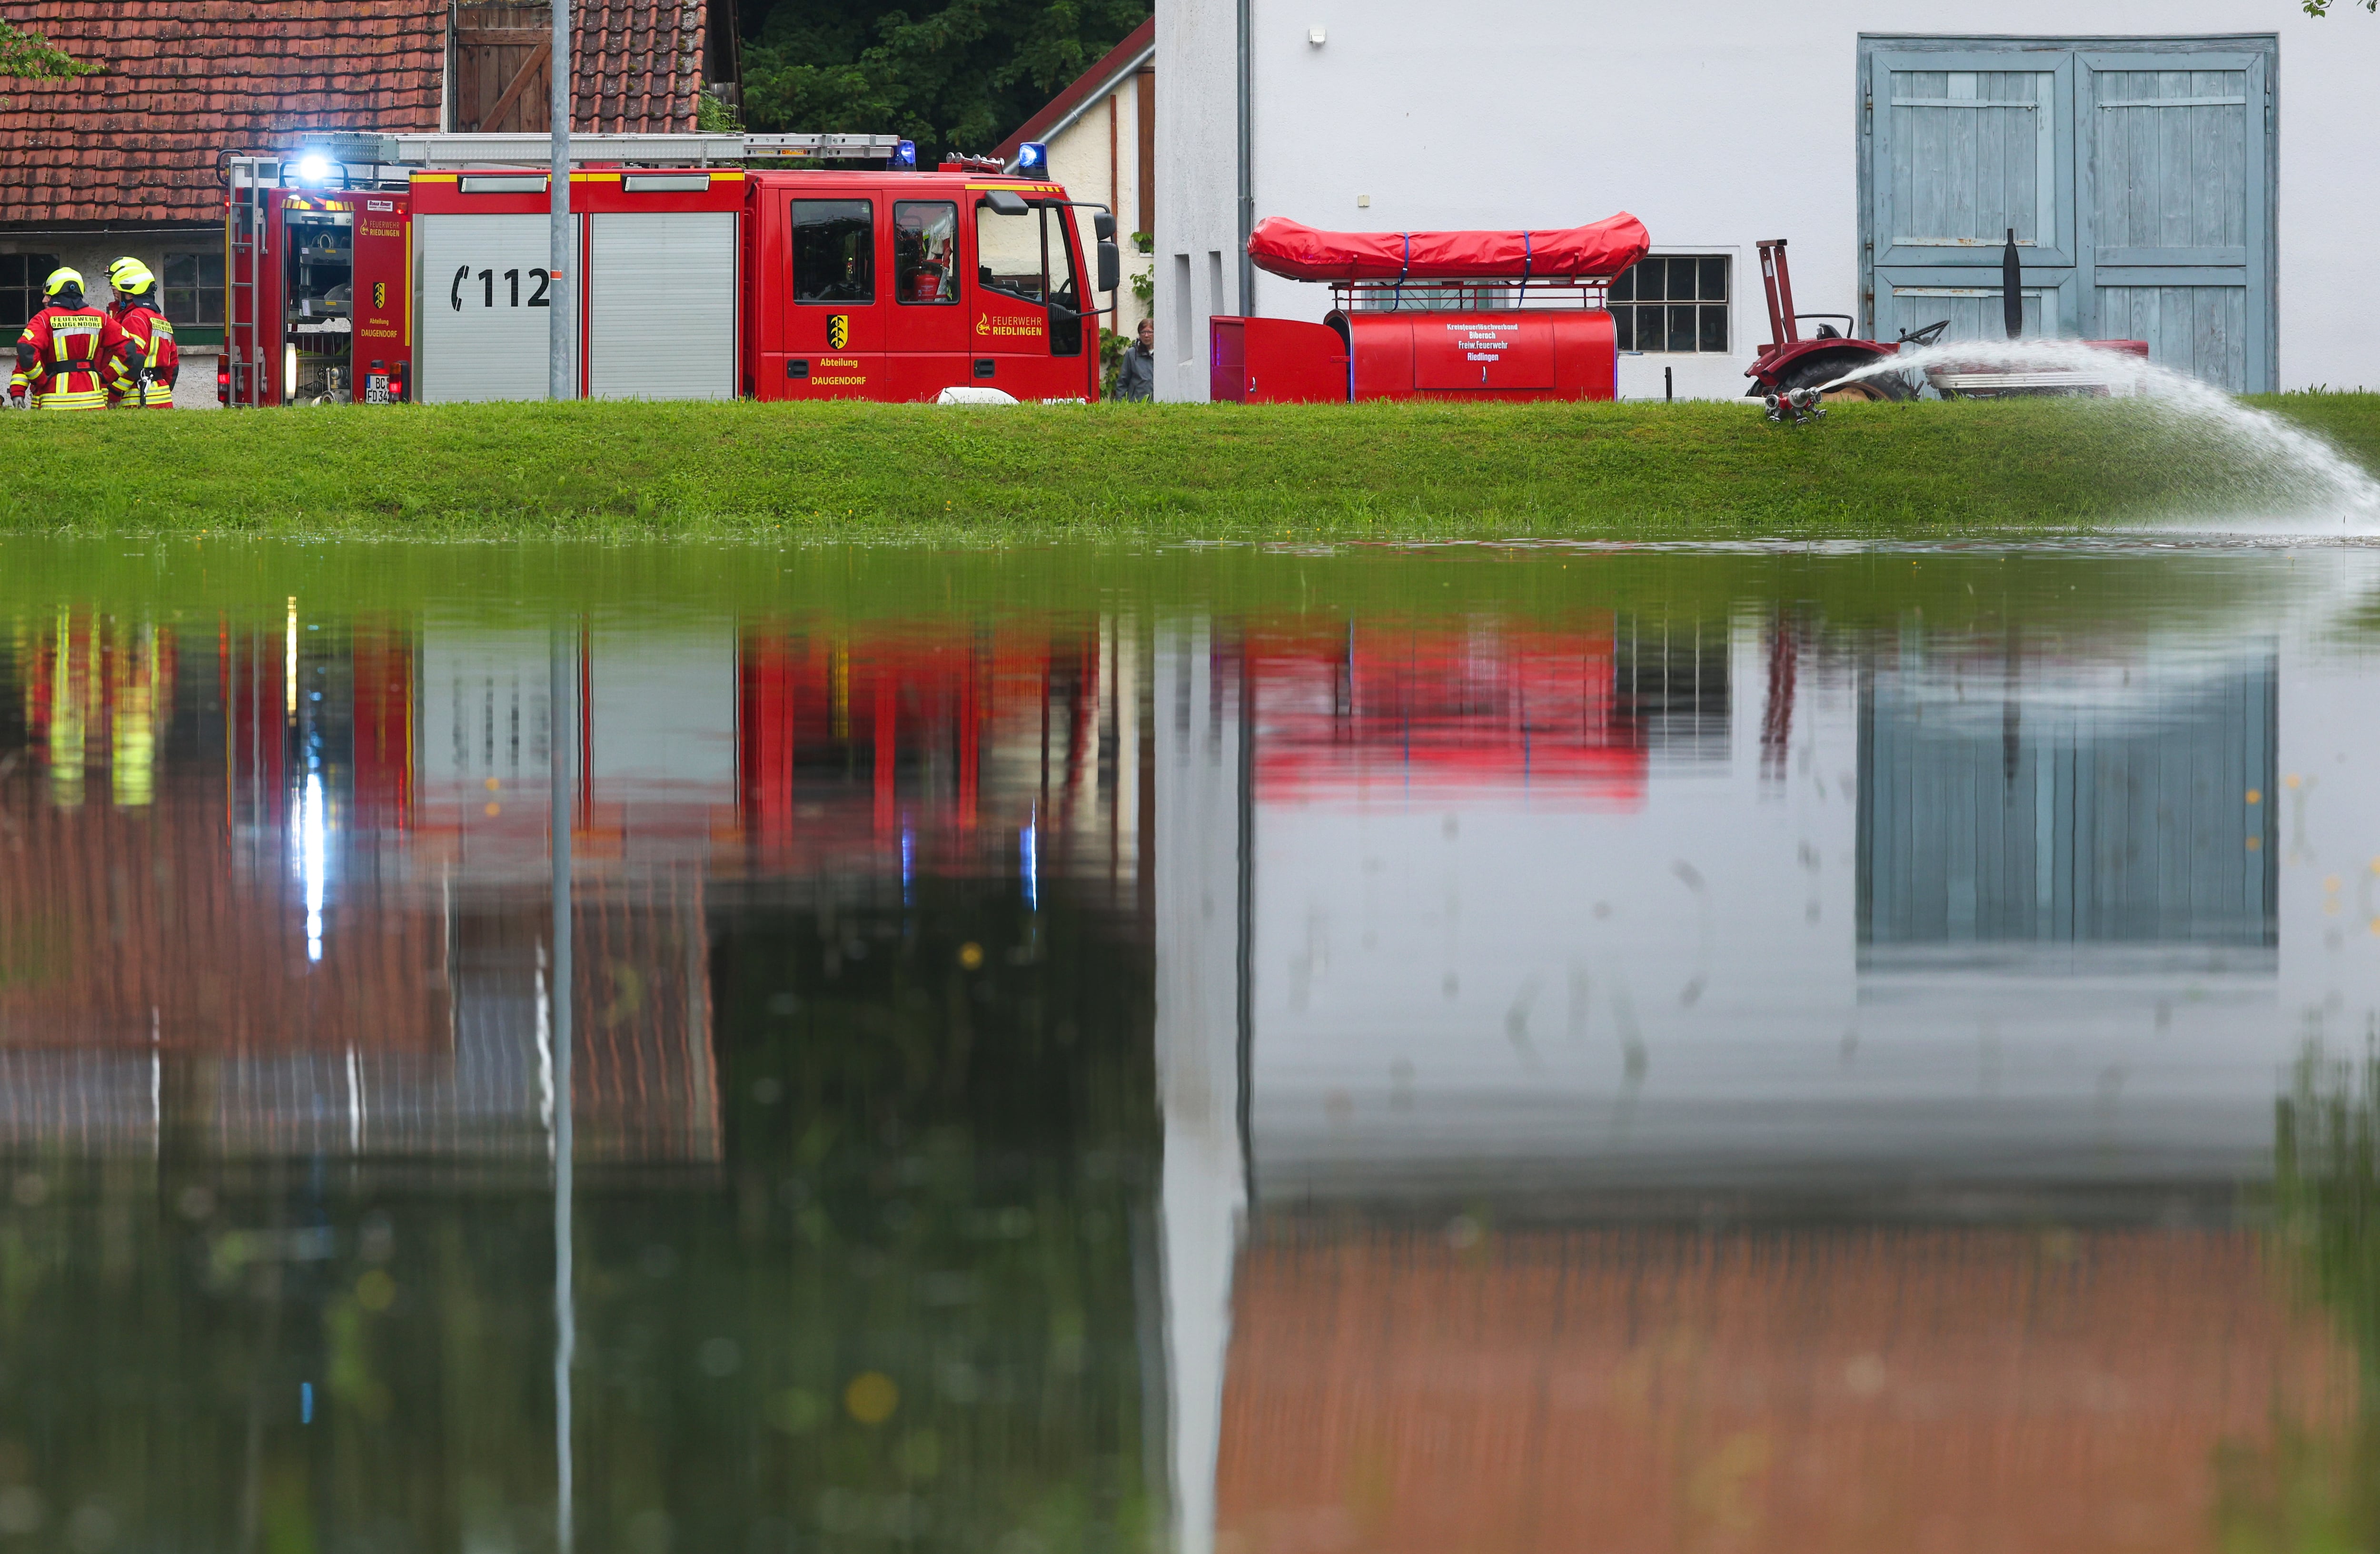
(1675, 303)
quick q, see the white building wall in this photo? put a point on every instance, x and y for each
(1718, 125)
(1097, 157)
(1198, 187)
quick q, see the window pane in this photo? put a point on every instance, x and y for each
(1008, 252)
(834, 250)
(1713, 327)
(211, 268)
(925, 251)
(1682, 328)
(1651, 272)
(1066, 294)
(1623, 286)
(181, 270)
(1713, 277)
(1623, 325)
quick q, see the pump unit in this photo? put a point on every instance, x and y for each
(1432, 315)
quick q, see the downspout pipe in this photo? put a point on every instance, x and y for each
(1248, 157)
(562, 321)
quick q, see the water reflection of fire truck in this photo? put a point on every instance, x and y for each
(1393, 710)
(860, 745)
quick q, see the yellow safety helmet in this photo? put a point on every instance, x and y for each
(60, 279)
(129, 276)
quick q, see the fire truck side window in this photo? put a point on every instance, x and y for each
(1008, 254)
(925, 250)
(834, 250)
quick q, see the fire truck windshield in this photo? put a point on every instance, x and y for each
(1026, 256)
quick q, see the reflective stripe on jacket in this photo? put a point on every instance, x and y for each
(65, 357)
(149, 338)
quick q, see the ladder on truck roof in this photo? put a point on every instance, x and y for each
(354, 162)
(406, 149)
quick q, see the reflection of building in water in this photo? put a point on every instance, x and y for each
(1449, 1002)
(2007, 802)
(1672, 680)
(1796, 1390)
(281, 883)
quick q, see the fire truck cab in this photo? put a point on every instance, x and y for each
(896, 286)
(416, 271)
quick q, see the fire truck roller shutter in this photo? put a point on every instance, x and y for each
(660, 305)
(484, 300)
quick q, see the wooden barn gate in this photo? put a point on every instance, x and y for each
(2138, 172)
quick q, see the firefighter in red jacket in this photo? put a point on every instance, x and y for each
(68, 351)
(145, 375)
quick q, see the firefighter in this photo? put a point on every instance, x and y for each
(145, 375)
(68, 351)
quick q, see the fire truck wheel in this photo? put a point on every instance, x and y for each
(1825, 370)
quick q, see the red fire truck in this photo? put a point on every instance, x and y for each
(415, 267)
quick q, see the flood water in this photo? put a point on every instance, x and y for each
(1222, 1050)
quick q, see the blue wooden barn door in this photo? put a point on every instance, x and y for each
(2172, 194)
(2134, 172)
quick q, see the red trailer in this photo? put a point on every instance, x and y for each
(365, 279)
(1432, 315)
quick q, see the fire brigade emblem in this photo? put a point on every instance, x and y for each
(379, 294)
(838, 331)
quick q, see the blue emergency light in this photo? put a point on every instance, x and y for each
(904, 156)
(1032, 156)
(313, 167)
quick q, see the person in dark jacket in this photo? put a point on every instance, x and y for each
(1137, 378)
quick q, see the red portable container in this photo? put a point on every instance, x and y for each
(1553, 353)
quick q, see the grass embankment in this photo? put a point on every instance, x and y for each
(867, 471)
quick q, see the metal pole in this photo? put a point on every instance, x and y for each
(562, 721)
(559, 261)
(1248, 163)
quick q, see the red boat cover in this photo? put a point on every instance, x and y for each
(1603, 248)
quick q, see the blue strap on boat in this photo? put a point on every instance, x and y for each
(1398, 300)
(1528, 262)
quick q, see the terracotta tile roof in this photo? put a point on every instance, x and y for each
(636, 66)
(188, 79)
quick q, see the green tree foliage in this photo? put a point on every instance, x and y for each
(957, 76)
(28, 57)
(2322, 7)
